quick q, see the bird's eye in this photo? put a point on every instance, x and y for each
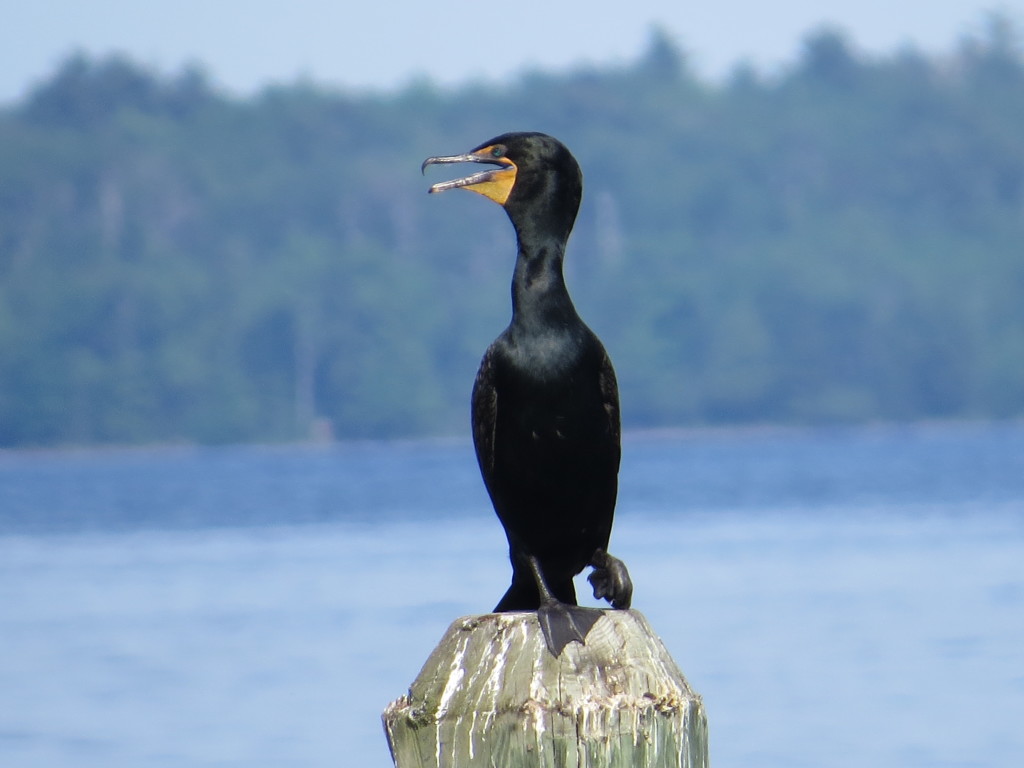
(498, 152)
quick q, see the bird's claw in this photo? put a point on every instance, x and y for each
(610, 580)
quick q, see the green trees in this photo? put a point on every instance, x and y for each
(842, 242)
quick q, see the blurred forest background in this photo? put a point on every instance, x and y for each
(839, 242)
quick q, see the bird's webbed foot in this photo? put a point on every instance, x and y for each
(562, 624)
(610, 580)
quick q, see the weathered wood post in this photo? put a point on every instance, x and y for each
(491, 695)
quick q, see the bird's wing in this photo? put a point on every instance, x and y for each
(485, 413)
(610, 397)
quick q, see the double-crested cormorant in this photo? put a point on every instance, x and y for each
(545, 406)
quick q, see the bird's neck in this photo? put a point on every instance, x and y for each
(539, 295)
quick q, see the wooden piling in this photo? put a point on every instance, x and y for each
(491, 695)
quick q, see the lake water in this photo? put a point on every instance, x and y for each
(840, 598)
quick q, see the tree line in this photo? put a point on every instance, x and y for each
(840, 242)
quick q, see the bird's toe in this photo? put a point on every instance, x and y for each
(610, 580)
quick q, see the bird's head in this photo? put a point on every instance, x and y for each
(534, 178)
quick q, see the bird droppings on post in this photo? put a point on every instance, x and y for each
(619, 700)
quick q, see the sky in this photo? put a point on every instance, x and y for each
(244, 45)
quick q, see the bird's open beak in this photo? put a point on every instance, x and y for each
(495, 183)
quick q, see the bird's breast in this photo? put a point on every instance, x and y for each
(549, 359)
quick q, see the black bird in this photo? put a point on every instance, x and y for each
(545, 406)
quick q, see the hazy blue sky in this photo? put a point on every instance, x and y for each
(362, 43)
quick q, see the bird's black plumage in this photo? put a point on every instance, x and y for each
(545, 406)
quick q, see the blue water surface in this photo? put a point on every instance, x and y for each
(840, 597)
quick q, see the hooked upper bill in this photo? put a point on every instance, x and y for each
(494, 183)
